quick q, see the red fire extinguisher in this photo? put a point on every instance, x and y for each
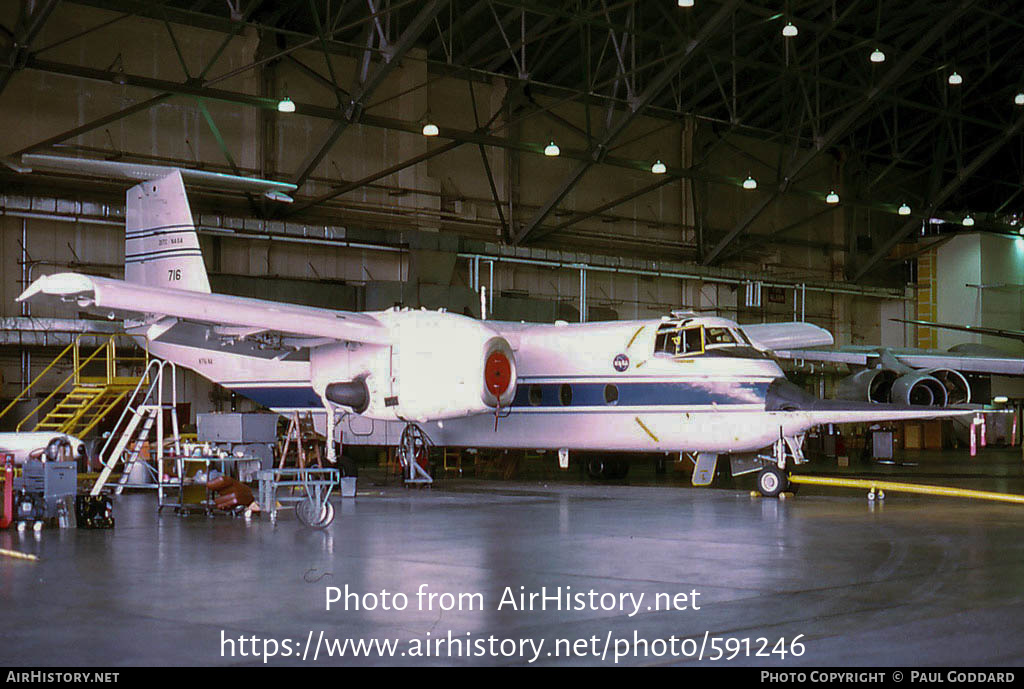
(8, 515)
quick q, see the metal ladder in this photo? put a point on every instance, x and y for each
(144, 410)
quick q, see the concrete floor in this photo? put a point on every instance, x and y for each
(916, 581)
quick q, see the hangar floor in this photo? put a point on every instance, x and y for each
(916, 580)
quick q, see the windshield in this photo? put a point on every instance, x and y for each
(682, 339)
(718, 336)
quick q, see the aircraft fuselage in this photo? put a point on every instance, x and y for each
(590, 386)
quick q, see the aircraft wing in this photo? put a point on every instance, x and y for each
(228, 314)
(924, 359)
(787, 334)
(878, 413)
(976, 329)
(784, 397)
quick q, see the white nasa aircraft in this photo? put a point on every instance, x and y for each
(693, 384)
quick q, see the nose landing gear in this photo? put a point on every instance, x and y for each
(771, 481)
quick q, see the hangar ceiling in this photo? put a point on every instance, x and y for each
(865, 82)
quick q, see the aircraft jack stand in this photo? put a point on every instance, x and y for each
(414, 452)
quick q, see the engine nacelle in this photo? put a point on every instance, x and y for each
(869, 385)
(919, 388)
(958, 390)
(441, 366)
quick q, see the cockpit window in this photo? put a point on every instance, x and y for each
(693, 338)
(719, 336)
(674, 340)
(665, 343)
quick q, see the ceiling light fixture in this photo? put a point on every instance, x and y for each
(659, 168)
(552, 150)
(285, 105)
(430, 129)
(955, 79)
(750, 183)
(832, 198)
(904, 210)
(877, 56)
(968, 221)
(789, 30)
(686, 3)
(1019, 99)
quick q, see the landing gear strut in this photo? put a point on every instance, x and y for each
(773, 478)
(414, 453)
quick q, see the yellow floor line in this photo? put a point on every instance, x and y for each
(19, 555)
(871, 484)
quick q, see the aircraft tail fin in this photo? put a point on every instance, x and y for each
(161, 245)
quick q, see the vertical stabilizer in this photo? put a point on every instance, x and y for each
(161, 245)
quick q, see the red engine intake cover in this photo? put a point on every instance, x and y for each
(497, 373)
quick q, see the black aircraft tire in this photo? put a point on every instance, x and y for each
(771, 481)
(597, 468)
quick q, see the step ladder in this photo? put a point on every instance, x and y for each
(303, 439)
(137, 430)
(143, 413)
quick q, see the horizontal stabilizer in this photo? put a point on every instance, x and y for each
(275, 191)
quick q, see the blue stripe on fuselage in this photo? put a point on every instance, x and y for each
(642, 394)
(583, 394)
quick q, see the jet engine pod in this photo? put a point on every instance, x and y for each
(499, 373)
(958, 390)
(919, 388)
(870, 385)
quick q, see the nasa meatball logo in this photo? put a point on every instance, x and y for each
(621, 363)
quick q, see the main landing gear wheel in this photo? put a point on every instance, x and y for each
(771, 481)
(314, 515)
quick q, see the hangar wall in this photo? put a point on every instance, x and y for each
(441, 211)
(979, 284)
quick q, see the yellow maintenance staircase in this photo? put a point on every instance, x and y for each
(97, 384)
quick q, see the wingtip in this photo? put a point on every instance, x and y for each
(59, 284)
